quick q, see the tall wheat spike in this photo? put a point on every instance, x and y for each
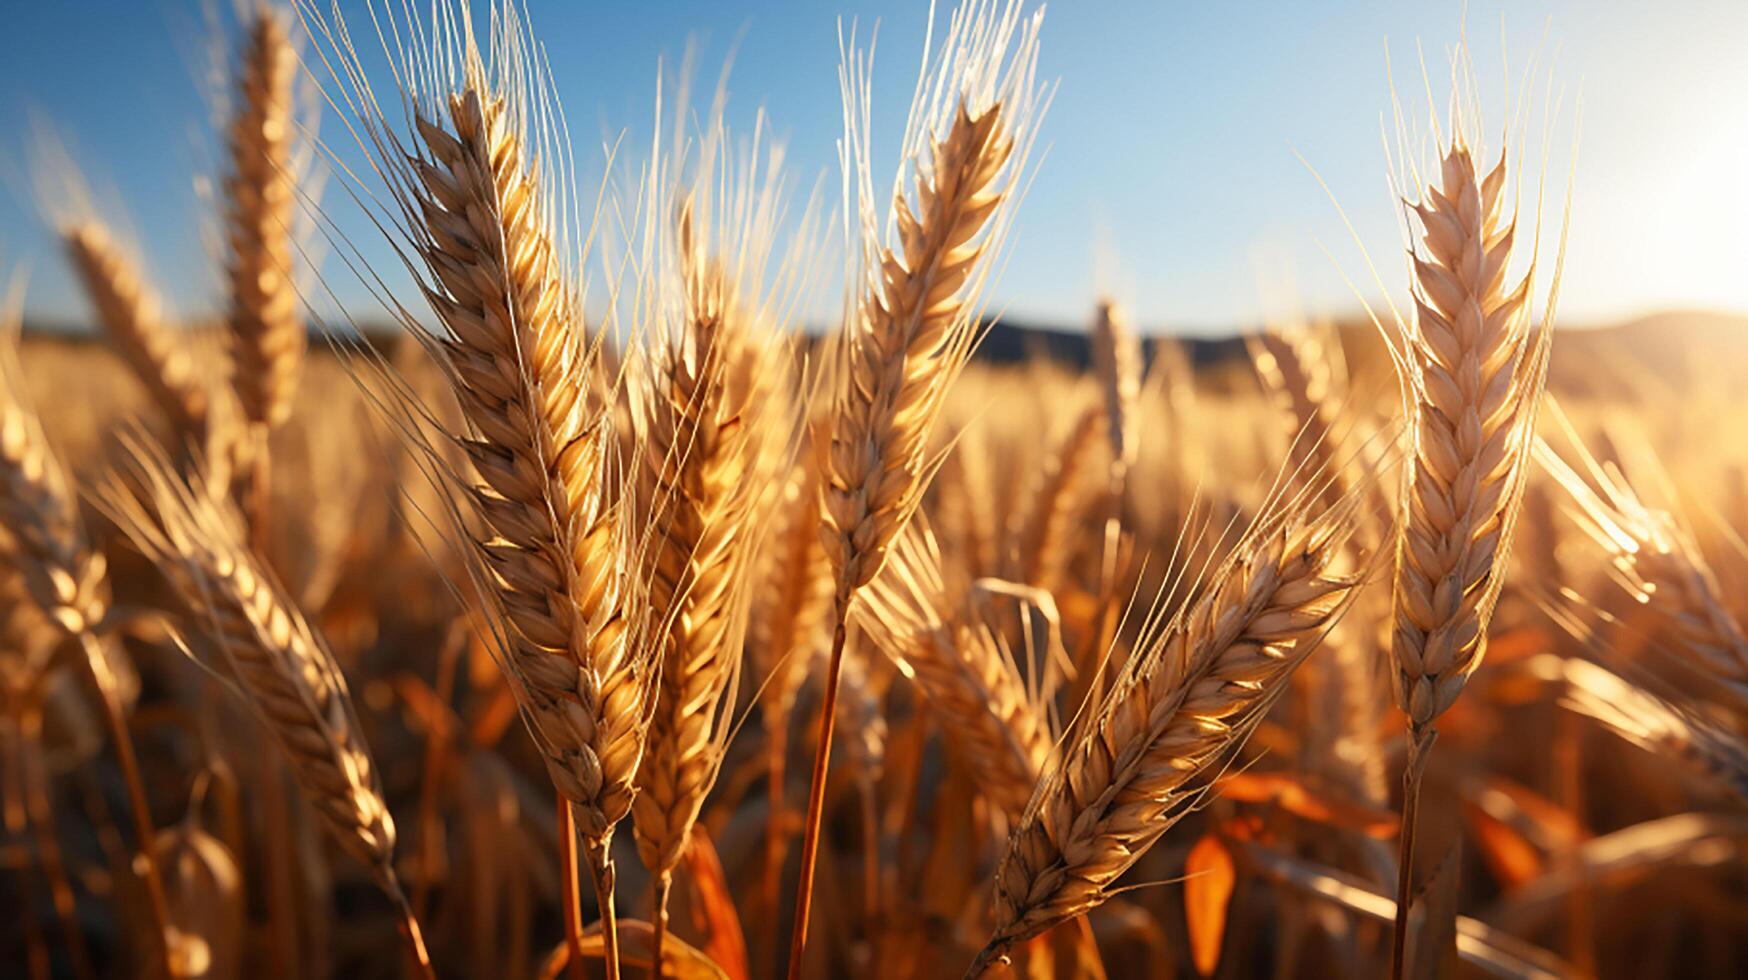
(1116, 353)
(705, 424)
(267, 334)
(1473, 367)
(1188, 696)
(277, 660)
(912, 327)
(481, 200)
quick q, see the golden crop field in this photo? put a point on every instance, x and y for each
(580, 609)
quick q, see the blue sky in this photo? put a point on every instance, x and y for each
(1167, 165)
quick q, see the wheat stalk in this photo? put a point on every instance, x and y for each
(966, 513)
(484, 221)
(277, 660)
(785, 626)
(1185, 700)
(1116, 356)
(704, 428)
(1045, 536)
(1474, 367)
(1301, 367)
(912, 328)
(788, 614)
(129, 311)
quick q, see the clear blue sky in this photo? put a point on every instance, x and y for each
(1170, 144)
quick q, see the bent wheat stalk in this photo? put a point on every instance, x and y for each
(913, 327)
(1474, 368)
(65, 577)
(129, 312)
(1189, 696)
(275, 658)
(981, 701)
(1656, 559)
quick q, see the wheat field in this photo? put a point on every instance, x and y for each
(585, 606)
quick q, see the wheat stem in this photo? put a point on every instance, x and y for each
(816, 791)
(600, 861)
(96, 660)
(1419, 746)
(39, 814)
(572, 901)
(664, 883)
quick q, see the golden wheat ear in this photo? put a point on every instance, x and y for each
(184, 379)
(1188, 696)
(43, 536)
(1476, 366)
(999, 728)
(129, 312)
(268, 339)
(479, 208)
(715, 432)
(274, 656)
(1655, 558)
(911, 318)
(1473, 362)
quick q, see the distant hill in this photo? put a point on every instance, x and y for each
(1663, 347)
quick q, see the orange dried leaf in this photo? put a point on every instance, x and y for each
(1290, 794)
(713, 906)
(1209, 876)
(1067, 950)
(1527, 641)
(1512, 859)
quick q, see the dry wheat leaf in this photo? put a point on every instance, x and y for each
(1209, 877)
